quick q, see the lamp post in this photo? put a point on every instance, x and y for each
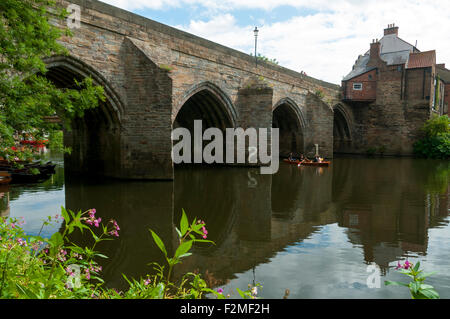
(256, 41)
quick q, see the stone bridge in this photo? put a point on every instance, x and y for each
(157, 78)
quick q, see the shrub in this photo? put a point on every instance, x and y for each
(417, 287)
(436, 140)
(32, 267)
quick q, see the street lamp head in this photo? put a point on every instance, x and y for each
(256, 31)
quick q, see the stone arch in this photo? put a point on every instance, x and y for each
(342, 128)
(80, 69)
(95, 139)
(208, 103)
(212, 98)
(289, 118)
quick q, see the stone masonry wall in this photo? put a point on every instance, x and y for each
(154, 69)
(391, 124)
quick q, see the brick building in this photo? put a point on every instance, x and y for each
(444, 77)
(393, 89)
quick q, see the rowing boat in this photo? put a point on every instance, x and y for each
(319, 164)
(291, 161)
(306, 163)
(5, 178)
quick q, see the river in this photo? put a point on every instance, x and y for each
(311, 230)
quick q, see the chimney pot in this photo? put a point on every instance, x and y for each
(391, 29)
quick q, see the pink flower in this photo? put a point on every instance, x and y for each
(70, 272)
(220, 290)
(147, 282)
(91, 220)
(205, 232)
(97, 222)
(21, 242)
(406, 265)
(115, 230)
(92, 213)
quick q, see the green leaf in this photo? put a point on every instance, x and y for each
(185, 255)
(429, 293)
(425, 286)
(184, 224)
(241, 293)
(28, 293)
(417, 266)
(56, 239)
(395, 283)
(160, 290)
(159, 242)
(427, 274)
(414, 287)
(129, 282)
(65, 215)
(183, 248)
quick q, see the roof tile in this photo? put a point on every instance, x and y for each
(421, 59)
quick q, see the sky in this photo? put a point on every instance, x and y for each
(320, 37)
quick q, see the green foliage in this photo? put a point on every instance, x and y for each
(437, 183)
(436, 141)
(437, 125)
(320, 93)
(32, 267)
(417, 287)
(56, 142)
(250, 293)
(165, 67)
(26, 95)
(187, 236)
(265, 59)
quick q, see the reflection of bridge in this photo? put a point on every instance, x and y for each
(157, 78)
(4, 201)
(258, 216)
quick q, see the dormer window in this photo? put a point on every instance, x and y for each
(357, 86)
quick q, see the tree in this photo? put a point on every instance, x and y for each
(26, 96)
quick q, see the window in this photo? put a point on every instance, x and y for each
(370, 76)
(353, 220)
(357, 86)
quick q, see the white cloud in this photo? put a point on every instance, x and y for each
(324, 44)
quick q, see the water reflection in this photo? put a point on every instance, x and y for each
(307, 229)
(4, 201)
(384, 204)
